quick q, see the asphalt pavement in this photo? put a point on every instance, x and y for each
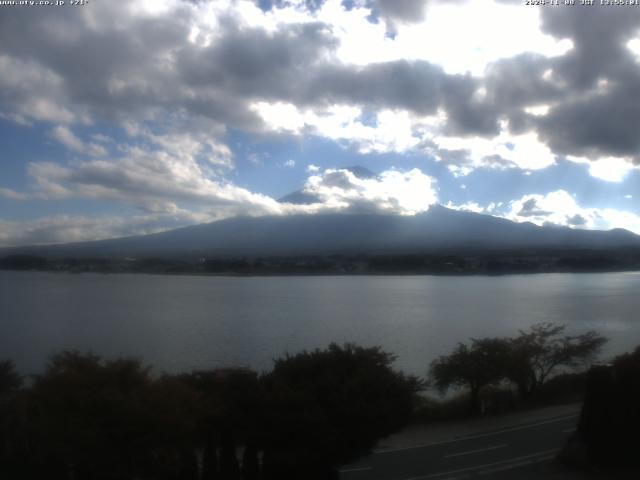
(515, 447)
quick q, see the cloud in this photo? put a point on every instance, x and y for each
(63, 135)
(390, 131)
(469, 207)
(403, 10)
(505, 150)
(590, 92)
(12, 194)
(154, 178)
(227, 57)
(158, 172)
(194, 199)
(404, 193)
(155, 182)
(558, 208)
(67, 138)
(233, 62)
(69, 228)
(577, 220)
(398, 12)
(530, 208)
(20, 102)
(462, 37)
(561, 208)
(610, 169)
(480, 84)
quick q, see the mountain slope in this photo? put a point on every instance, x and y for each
(438, 229)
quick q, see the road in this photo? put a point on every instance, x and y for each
(496, 454)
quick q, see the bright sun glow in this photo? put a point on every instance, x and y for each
(459, 37)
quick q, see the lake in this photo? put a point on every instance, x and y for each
(178, 323)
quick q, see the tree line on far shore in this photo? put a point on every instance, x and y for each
(87, 418)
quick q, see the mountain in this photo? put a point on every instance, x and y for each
(439, 229)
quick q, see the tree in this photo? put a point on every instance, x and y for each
(328, 407)
(231, 402)
(109, 419)
(538, 353)
(607, 432)
(527, 360)
(10, 381)
(482, 363)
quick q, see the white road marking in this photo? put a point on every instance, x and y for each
(516, 461)
(516, 465)
(357, 469)
(481, 435)
(475, 451)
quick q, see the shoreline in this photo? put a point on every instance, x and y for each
(256, 274)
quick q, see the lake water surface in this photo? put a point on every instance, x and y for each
(184, 322)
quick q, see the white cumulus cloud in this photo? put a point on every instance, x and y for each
(561, 208)
(405, 193)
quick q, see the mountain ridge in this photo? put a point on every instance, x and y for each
(438, 229)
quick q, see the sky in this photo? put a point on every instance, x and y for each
(137, 116)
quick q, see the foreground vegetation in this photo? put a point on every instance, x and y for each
(87, 418)
(90, 418)
(607, 433)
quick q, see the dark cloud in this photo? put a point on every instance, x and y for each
(599, 125)
(266, 5)
(403, 10)
(108, 63)
(257, 64)
(150, 67)
(107, 68)
(516, 82)
(339, 179)
(593, 89)
(599, 34)
(141, 67)
(468, 114)
(105, 62)
(602, 80)
(530, 209)
(414, 86)
(135, 67)
(576, 220)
